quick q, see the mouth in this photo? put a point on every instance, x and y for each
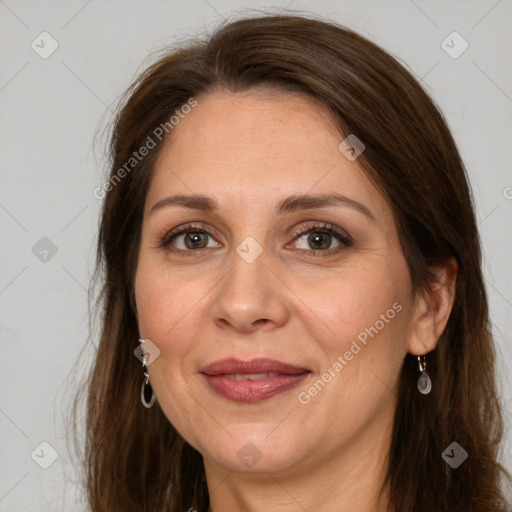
(252, 381)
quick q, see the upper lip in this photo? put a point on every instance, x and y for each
(258, 365)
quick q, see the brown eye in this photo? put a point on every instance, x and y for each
(195, 240)
(320, 239)
(189, 240)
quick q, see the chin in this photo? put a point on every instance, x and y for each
(254, 452)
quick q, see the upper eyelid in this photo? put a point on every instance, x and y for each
(307, 226)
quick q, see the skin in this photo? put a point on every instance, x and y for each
(248, 151)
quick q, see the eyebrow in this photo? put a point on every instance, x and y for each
(289, 204)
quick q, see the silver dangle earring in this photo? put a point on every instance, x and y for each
(147, 397)
(424, 382)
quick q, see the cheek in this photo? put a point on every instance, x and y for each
(358, 306)
(164, 308)
(362, 359)
(164, 295)
(367, 310)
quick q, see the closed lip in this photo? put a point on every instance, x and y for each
(254, 366)
(252, 381)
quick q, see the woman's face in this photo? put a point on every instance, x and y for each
(260, 276)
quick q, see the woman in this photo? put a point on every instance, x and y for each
(288, 245)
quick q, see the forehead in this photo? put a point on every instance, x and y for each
(256, 147)
(278, 123)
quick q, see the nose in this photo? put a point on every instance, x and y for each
(250, 296)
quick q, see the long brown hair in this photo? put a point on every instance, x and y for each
(134, 458)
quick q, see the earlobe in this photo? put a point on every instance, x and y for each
(432, 310)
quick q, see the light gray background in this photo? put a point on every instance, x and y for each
(51, 110)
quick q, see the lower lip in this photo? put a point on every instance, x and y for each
(253, 391)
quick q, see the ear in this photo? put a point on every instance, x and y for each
(432, 310)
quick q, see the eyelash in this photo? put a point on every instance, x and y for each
(344, 238)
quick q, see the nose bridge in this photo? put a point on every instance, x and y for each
(249, 291)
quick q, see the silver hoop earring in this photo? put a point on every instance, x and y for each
(424, 382)
(147, 397)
